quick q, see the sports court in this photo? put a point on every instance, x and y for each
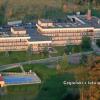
(20, 78)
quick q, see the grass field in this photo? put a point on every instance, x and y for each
(15, 57)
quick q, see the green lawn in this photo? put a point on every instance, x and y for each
(25, 92)
(60, 51)
(15, 57)
(53, 88)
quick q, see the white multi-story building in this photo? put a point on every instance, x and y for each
(71, 30)
(20, 39)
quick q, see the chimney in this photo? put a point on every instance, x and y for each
(89, 16)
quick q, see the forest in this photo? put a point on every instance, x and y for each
(29, 10)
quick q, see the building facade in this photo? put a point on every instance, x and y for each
(18, 39)
(71, 30)
(64, 36)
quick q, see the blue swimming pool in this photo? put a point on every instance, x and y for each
(18, 79)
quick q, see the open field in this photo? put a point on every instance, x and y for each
(14, 57)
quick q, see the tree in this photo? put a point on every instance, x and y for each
(98, 42)
(86, 43)
(58, 68)
(2, 17)
(65, 8)
(9, 13)
(83, 59)
(68, 49)
(72, 49)
(45, 52)
(90, 61)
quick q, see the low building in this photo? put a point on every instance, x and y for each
(15, 40)
(18, 31)
(14, 22)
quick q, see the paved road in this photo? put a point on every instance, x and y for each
(77, 54)
(47, 60)
(75, 58)
(42, 61)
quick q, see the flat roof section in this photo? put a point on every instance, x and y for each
(14, 22)
(46, 20)
(36, 36)
(94, 22)
(19, 28)
(4, 33)
(75, 21)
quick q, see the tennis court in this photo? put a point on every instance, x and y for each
(18, 79)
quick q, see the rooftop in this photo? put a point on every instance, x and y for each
(7, 33)
(94, 22)
(19, 28)
(46, 20)
(75, 21)
(36, 36)
(4, 34)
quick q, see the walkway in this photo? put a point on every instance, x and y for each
(41, 61)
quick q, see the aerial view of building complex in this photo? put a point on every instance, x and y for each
(50, 33)
(49, 50)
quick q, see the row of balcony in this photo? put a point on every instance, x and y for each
(2, 45)
(67, 35)
(19, 40)
(13, 48)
